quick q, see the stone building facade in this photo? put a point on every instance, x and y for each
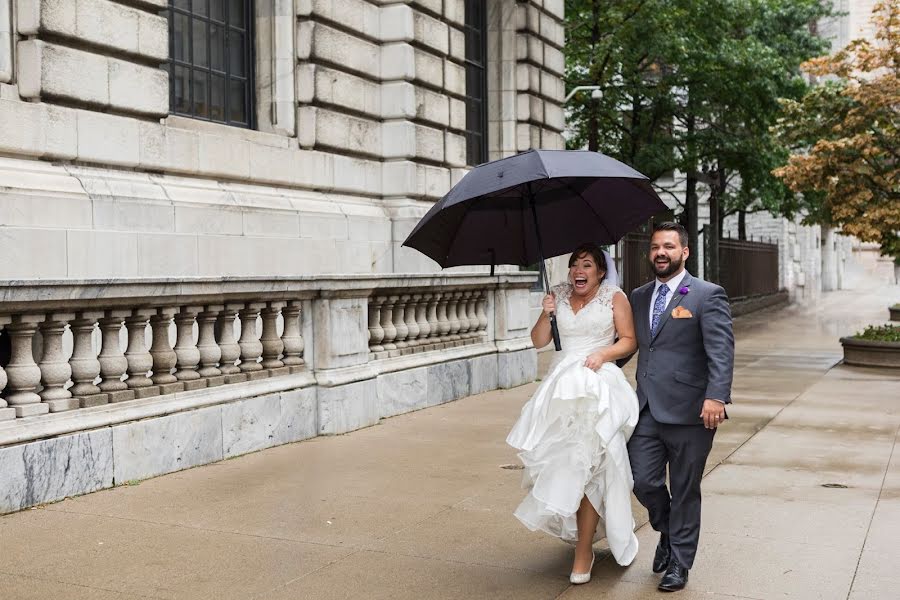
(202, 204)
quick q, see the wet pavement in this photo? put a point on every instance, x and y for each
(801, 500)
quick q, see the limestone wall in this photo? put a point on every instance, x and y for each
(360, 128)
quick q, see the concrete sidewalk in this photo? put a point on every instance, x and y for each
(802, 500)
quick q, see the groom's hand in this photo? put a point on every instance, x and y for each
(713, 413)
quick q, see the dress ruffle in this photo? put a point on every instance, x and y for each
(572, 438)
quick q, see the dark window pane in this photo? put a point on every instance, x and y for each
(474, 48)
(237, 107)
(476, 90)
(217, 98)
(181, 37)
(474, 82)
(181, 96)
(217, 47)
(475, 16)
(200, 42)
(473, 115)
(236, 53)
(217, 10)
(236, 13)
(210, 68)
(201, 94)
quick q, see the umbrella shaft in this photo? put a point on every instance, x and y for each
(540, 244)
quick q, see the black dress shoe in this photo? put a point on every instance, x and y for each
(675, 578)
(663, 553)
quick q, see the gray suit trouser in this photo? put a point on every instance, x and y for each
(684, 448)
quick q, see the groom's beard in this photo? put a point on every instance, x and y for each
(667, 268)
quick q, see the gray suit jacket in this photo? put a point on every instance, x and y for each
(689, 359)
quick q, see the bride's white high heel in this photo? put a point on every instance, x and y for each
(579, 578)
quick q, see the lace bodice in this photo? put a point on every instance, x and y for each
(592, 327)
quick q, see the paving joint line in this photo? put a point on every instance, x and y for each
(79, 585)
(862, 549)
(195, 528)
(296, 579)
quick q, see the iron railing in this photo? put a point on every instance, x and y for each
(748, 268)
(634, 269)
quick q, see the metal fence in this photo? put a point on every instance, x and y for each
(634, 267)
(748, 268)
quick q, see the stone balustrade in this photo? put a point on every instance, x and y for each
(403, 322)
(97, 372)
(78, 345)
(205, 354)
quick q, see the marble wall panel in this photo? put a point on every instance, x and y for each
(344, 408)
(516, 368)
(402, 391)
(448, 381)
(155, 446)
(52, 469)
(483, 374)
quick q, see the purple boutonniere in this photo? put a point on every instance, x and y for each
(683, 290)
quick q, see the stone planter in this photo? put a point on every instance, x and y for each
(895, 313)
(869, 353)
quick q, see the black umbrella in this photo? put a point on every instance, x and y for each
(540, 203)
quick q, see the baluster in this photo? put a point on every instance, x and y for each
(251, 347)
(138, 356)
(228, 345)
(84, 363)
(422, 320)
(473, 316)
(292, 338)
(164, 357)
(113, 363)
(481, 311)
(433, 324)
(272, 346)
(453, 316)
(376, 332)
(411, 325)
(23, 373)
(463, 316)
(443, 319)
(387, 323)
(186, 352)
(55, 369)
(210, 353)
(6, 413)
(400, 323)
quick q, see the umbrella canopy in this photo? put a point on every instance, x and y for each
(575, 196)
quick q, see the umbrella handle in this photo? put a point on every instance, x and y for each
(554, 330)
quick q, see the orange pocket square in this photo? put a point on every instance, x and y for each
(681, 312)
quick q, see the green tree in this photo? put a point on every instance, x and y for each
(692, 86)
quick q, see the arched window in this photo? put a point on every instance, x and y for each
(211, 60)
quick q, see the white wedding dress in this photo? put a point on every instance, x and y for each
(572, 433)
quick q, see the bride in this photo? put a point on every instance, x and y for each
(572, 433)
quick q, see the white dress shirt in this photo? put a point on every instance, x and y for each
(673, 284)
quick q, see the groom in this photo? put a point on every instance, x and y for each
(684, 371)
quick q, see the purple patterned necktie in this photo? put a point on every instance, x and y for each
(659, 307)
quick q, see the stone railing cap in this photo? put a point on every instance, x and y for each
(26, 295)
